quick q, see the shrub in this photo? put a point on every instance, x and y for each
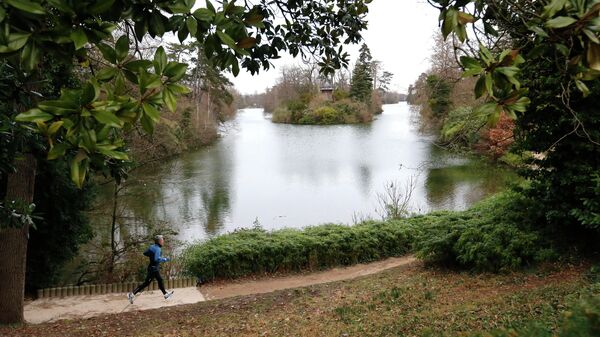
(328, 115)
(376, 103)
(352, 110)
(517, 160)
(252, 251)
(488, 237)
(281, 115)
(462, 127)
(340, 94)
(496, 140)
(296, 106)
(439, 98)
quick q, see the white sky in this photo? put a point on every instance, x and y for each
(400, 34)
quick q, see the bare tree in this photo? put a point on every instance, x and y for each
(394, 201)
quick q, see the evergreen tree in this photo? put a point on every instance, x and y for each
(362, 76)
(548, 80)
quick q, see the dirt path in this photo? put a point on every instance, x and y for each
(231, 289)
(53, 309)
(48, 310)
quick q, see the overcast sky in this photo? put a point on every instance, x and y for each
(400, 34)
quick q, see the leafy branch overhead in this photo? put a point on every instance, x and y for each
(86, 124)
(567, 29)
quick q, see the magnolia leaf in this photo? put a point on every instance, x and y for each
(178, 88)
(192, 25)
(160, 60)
(553, 7)
(583, 88)
(59, 107)
(101, 6)
(450, 22)
(108, 118)
(469, 62)
(465, 18)
(79, 167)
(137, 65)
(54, 127)
(106, 74)
(508, 71)
(108, 52)
(179, 7)
(562, 49)
(118, 155)
(560, 22)
(210, 7)
(247, 42)
(30, 56)
(170, 99)
(486, 55)
(256, 20)
(147, 124)
(91, 91)
(151, 112)
(182, 34)
(15, 42)
(203, 14)
(226, 39)
(175, 71)
(27, 6)
(539, 31)
(79, 38)
(122, 48)
(235, 67)
(480, 86)
(34, 115)
(521, 104)
(486, 109)
(591, 35)
(489, 84)
(593, 56)
(57, 151)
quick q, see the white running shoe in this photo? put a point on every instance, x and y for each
(169, 294)
(130, 297)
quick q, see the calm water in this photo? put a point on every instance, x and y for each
(294, 176)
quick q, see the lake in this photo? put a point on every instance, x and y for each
(280, 175)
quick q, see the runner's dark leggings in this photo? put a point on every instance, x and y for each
(153, 273)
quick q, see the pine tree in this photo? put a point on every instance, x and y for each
(362, 76)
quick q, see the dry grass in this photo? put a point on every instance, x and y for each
(406, 301)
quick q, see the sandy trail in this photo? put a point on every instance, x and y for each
(266, 285)
(48, 310)
(52, 309)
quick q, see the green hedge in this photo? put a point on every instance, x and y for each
(253, 251)
(494, 236)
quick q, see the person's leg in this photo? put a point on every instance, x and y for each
(146, 283)
(159, 279)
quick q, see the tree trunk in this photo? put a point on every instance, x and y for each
(13, 244)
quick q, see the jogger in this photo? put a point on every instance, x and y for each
(154, 254)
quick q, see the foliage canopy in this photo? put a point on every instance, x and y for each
(85, 123)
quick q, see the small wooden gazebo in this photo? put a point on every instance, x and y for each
(326, 89)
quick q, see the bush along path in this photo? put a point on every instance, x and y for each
(53, 309)
(495, 235)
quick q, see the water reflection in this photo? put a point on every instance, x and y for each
(294, 176)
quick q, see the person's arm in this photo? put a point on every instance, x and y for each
(157, 257)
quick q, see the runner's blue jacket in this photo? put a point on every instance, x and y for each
(153, 252)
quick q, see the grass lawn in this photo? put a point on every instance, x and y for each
(406, 301)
